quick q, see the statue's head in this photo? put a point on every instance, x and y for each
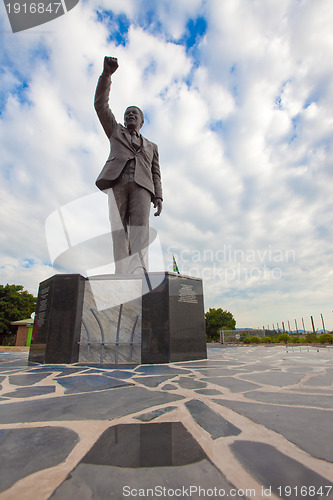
(133, 118)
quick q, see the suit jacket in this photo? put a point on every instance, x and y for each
(147, 169)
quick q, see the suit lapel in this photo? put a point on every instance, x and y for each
(127, 137)
(145, 142)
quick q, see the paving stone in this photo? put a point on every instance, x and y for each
(147, 417)
(209, 363)
(28, 379)
(187, 383)
(302, 370)
(308, 428)
(105, 366)
(99, 405)
(27, 392)
(88, 383)
(218, 372)
(233, 384)
(169, 387)
(320, 381)
(12, 363)
(8, 371)
(215, 424)
(209, 392)
(89, 482)
(153, 381)
(139, 457)
(284, 476)
(71, 371)
(314, 390)
(159, 370)
(56, 369)
(259, 367)
(122, 374)
(26, 451)
(280, 379)
(318, 401)
(139, 445)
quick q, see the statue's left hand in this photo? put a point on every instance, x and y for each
(158, 205)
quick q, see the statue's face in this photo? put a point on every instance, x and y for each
(133, 118)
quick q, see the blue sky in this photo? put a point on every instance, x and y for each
(238, 96)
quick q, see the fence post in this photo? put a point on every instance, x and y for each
(313, 326)
(303, 326)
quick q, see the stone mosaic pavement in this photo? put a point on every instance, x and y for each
(248, 422)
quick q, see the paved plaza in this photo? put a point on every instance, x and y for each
(248, 422)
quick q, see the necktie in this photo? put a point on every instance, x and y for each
(135, 140)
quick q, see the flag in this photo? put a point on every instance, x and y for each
(175, 267)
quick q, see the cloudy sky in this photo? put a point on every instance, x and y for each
(238, 95)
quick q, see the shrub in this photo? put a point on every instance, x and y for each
(284, 337)
(326, 338)
(267, 339)
(246, 340)
(311, 337)
(255, 339)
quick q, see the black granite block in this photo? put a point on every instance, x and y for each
(58, 320)
(173, 321)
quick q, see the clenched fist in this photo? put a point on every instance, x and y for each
(110, 65)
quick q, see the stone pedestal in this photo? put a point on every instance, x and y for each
(119, 320)
(173, 321)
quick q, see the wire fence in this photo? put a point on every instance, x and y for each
(238, 336)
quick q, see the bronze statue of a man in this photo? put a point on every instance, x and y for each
(131, 177)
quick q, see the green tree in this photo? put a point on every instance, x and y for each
(216, 320)
(15, 304)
